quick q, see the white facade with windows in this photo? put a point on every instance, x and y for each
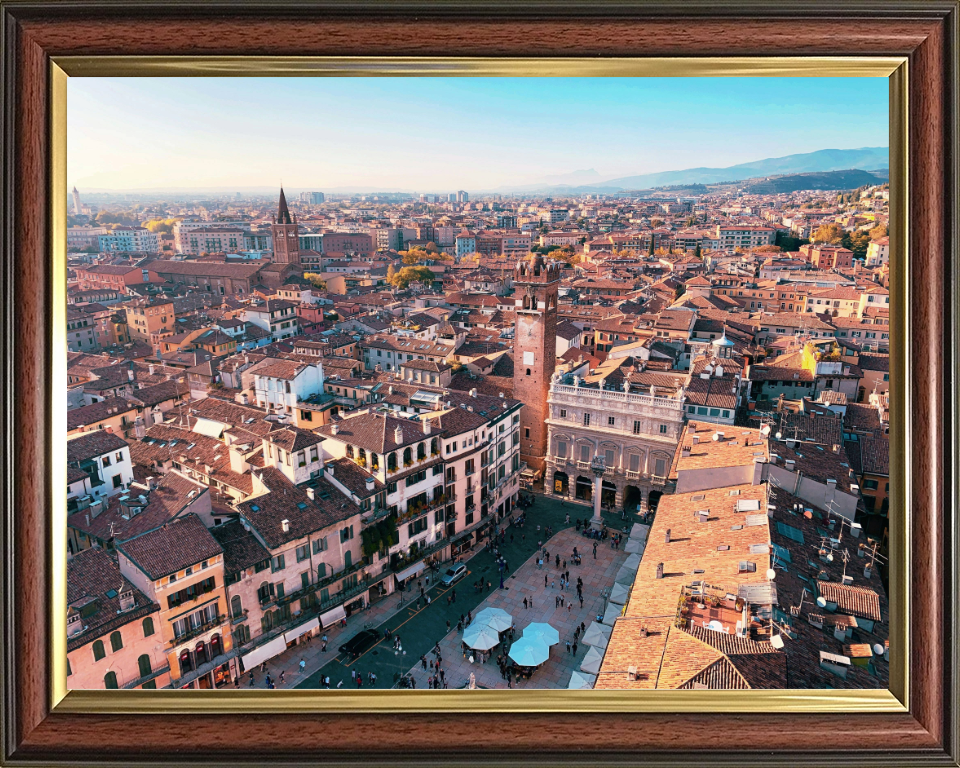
(636, 435)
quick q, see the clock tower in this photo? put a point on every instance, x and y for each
(535, 351)
(286, 235)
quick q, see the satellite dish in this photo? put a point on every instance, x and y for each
(765, 430)
(822, 602)
(878, 649)
(771, 574)
(779, 435)
(830, 557)
(716, 437)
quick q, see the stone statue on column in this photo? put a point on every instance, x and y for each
(598, 466)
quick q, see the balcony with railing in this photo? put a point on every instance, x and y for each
(199, 630)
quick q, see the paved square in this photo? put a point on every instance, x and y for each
(528, 582)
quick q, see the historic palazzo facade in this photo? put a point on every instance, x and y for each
(635, 434)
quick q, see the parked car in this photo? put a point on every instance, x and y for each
(360, 643)
(453, 575)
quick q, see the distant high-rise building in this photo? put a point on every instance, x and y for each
(452, 197)
(304, 197)
(463, 197)
(285, 231)
(76, 202)
(316, 198)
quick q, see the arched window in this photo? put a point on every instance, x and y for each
(361, 455)
(145, 666)
(407, 456)
(186, 664)
(215, 647)
(201, 653)
(98, 652)
(374, 461)
(116, 641)
(528, 371)
(434, 447)
(110, 681)
(264, 592)
(236, 608)
(349, 451)
(421, 451)
(147, 626)
(392, 462)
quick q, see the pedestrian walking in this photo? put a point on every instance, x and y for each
(303, 665)
(553, 584)
(448, 625)
(324, 648)
(423, 663)
(449, 600)
(283, 674)
(581, 600)
(568, 646)
(524, 602)
(454, 593)
(545, 581)
(353, 674)
(556, 601)
(574, 647)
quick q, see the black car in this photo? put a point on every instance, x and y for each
(360, 642)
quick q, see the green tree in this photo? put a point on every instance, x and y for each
(650, 252)
(858, 244)
(407, 275)
(314, 279)
(678, 292)
(697, 253)
(880, 231)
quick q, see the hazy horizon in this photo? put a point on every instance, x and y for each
(443, 134)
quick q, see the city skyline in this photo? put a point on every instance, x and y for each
(442, 133)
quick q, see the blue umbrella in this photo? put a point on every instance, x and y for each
(542, 632)
(528, 652)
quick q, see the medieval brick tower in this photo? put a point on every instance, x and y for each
(534, 351)
(286, 236)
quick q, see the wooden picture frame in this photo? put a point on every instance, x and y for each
(43, 40)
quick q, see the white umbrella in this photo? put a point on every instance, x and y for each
(497, 618)
(612, 614)
(619, 594)
(480, 637)
(528, 652)
(639, 531)
(626, 575)
(597, 635)
(633, 546)
(592, 661)
(632, 562)
(542, 632)
(579, 680)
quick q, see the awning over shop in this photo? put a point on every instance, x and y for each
(332, 617)
(264, 653)
(413, 570)
(293, 634)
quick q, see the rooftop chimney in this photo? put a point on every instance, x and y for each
(666, 536)
(473, 392)
(334, 428)
(426, 426)
(659, 570)
(126, 600)
(398, 435)
(286, 525)
(311, 494)
(370, 483)
(152, 367)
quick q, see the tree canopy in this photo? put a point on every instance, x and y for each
(314, 279)
(403, 277)
(161, 226)
(418, 255)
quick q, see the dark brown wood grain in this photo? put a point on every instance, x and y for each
(924, 33)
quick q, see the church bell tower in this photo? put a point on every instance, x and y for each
(286, 235)
(535, 351)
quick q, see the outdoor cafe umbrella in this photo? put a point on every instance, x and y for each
(496, 618)
(480, 637)
(633, 546)
(592, 661)
(542, 632)
(529, 652)
(612, 613)
(619, 594)
(597, 635)
(580, 680)
(626, 575)
(632, 562)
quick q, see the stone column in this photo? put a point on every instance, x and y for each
(598, 467)
(644, 500)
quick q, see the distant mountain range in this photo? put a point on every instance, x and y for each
(867, 158)
(589, 181)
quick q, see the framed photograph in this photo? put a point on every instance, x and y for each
(396, 383)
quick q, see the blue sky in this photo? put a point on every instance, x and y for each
(440, 134)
